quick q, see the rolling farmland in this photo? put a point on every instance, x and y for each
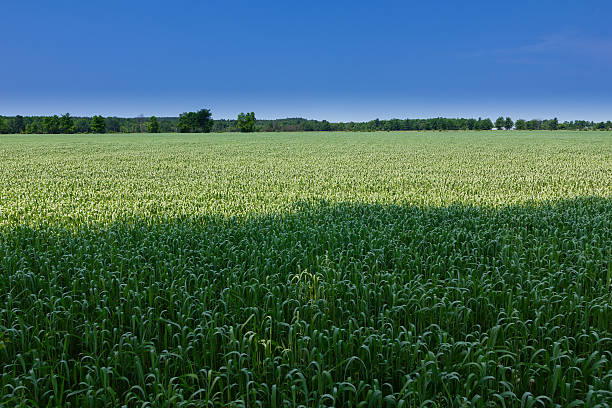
(316, 269)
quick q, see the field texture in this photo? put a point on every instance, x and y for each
(332, 269)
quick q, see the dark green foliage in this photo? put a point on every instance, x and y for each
(51, 124)
(246, 122)
(554, 124)
(33, 127)
(153, 125)
(200, 121)
(484, 124)
(500, 122)
(203, 120)
(534, 124)
(113, 124)
(17, 125)
(82, 125)
(344, 303)
(4, 127)
(66, 124)
(185, 121)
(98, 125)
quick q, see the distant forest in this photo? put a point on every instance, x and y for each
(202, 121)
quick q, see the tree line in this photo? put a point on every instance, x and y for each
(202, 121)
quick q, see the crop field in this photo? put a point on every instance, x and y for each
(430, 269)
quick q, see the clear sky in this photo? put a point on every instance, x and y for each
(334, 60)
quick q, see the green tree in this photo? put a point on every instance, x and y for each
(97, 124)
(66, 124)
(51, 124)
(521, 124)
(185, 122)
(153, 125)
(18, 126)
(484, 124)
(203, 120)
(4, 127)
(500, 122)
(200, 121)
(32, 128)
(113, 124)
(534, 124)
(554, 124)
(82, 125)
(246, 122)
(508, 123)
(325, 125)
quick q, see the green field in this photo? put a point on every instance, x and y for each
(316, 269)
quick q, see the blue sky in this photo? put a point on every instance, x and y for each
(335, 60)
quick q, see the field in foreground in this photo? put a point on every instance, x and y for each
(395, 269)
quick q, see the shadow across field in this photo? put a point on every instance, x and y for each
(329, 305)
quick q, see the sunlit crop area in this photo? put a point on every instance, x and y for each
(306, 269)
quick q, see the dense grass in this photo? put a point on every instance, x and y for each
(396, 269)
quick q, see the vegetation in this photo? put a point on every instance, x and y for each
(386, 269)
(246, 122)
(66, 124)
(202, 121)
(552, 124)
(501, 123)
(97, 124)
(153, 125)
(4, 126)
